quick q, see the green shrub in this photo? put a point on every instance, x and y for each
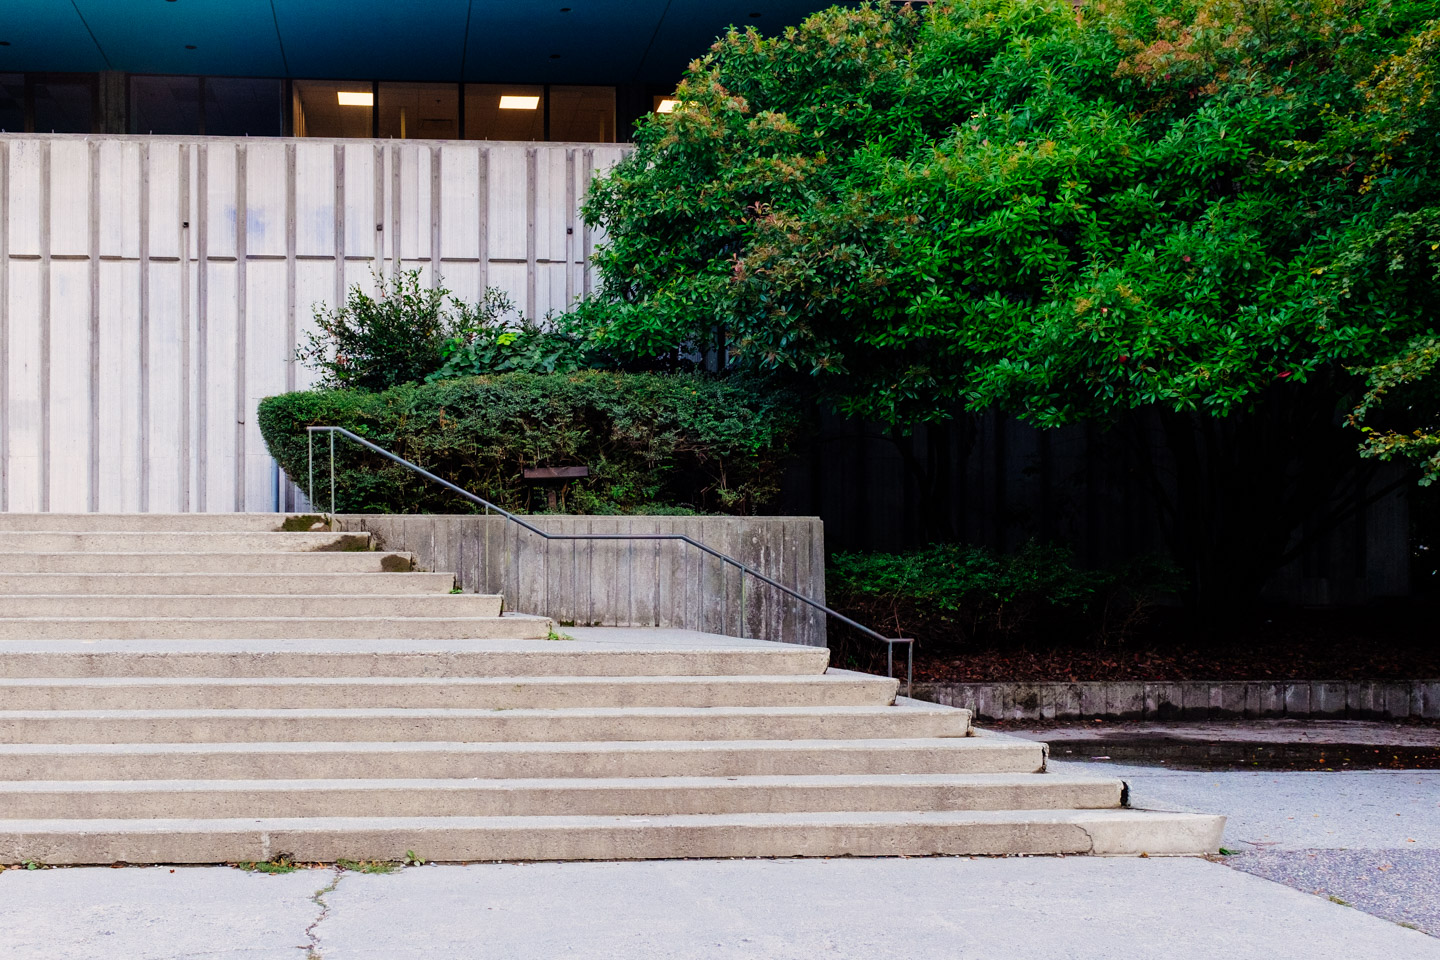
(520, 347)
(653, 442)
(402, 334)
(951, 596)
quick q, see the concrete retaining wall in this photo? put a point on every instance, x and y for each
(628, 583)
(1356, 700)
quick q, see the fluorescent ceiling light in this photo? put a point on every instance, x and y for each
(519, 103)
(667, 106)
(349, 98)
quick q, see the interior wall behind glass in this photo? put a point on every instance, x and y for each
(236, 107)
(484, 120)
(319, 113)
(582, 114)
(166, 105)
(64, 104)
(419, 111)
(12, 102)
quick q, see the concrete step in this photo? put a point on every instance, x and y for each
(359, 723)
(889, 833)
(658, 796)
(161, 522)
(491, 693)
(207, 562)
(259, 628)
(395, 658)
(237, 605)
(442, 760)
(225, 584)
(46, 541)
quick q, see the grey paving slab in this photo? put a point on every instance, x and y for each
(157, 913)
(955, 909)
(1369, 838)
(1293, 810)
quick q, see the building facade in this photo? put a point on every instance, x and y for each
(183, 183)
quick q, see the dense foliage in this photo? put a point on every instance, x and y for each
(1002, 201)
(1188, 219)
(952, 597)
(653, 443)
(405, 333)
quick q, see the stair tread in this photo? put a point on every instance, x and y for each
(526, 713)
(1038, 781)
(816, 679)
(841, 817)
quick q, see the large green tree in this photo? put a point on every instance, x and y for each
(1168, 215)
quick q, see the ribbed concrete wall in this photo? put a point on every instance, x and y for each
(153, 289)
(630, 583)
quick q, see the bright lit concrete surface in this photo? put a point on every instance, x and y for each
(1292, 810)
(1074, 908)
(157, 913)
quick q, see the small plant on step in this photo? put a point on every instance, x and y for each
(412, 860)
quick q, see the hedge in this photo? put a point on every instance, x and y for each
(653, 442)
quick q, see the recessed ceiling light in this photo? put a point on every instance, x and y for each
(355, 98)
(667, 106)
(510, 102)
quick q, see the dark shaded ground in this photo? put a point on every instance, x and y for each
(1397, 641)
(1322, 745)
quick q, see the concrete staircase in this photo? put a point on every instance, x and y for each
(210, 688)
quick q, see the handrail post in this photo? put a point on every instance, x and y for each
(310, 451)
(332, 479)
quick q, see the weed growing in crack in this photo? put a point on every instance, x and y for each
(368, 866)
(280, 863)
(318, 898)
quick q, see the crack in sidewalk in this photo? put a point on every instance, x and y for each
(312, 949)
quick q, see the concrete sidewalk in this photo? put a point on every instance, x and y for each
(1335, 834)
(1021, 908)
(1369, 839)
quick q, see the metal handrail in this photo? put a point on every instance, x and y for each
(513, 518)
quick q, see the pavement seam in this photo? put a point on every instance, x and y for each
(312, 949)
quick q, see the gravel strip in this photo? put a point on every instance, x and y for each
(1402, 886)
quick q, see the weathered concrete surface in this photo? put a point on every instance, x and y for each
(937, 909)
(1195, 700)
(1293, 810)
(632, 583)
(1371, 839)
(850, 909)
(157, 913)
(652, 758)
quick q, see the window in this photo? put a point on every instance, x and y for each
(244, 108)
(164, 105)
(485, 120)
(12, 102)
(427, 111)
(334, 108)
(582, 114)
(63, 104)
